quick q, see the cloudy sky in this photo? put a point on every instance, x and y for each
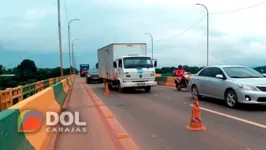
(28, 29)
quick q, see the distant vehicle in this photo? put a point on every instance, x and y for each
(126, 65)
(232, 83)
(84, 69)
(93, 75)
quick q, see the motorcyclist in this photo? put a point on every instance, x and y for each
(179, 74)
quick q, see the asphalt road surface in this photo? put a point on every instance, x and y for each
(158, 120)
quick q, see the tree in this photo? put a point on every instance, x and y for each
(261, 69)
(11, 83)
(27, 70)
(43, 74)
(55, 72)
(1, 69)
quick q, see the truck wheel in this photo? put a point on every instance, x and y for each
(110, 86)
(88, 81)
(147, 89)
(120, 89)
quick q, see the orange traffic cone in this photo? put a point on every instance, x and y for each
(107, 92)
(195, 122)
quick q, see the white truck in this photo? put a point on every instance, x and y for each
(126, 65)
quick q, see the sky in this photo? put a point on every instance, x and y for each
(29, 30)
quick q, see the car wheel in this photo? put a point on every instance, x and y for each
(231, 99)
(147, 89)
(195, 92)
(101, 81)
(88, 81)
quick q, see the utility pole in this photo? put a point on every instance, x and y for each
(60, 40)
(207, 31)
(73, 57)
(74, 62)
(69, 38)
(69, 48)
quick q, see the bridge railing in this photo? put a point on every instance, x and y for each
(11, 96)
(165, 79)
(167, 75)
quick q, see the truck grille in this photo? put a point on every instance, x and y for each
(262, 88)
(138, 81)
(94, 75)
(261, 99)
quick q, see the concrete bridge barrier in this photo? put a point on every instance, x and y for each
(49, 99)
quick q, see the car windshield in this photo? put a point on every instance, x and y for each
(137, 62)
(242, 72)
(94, 71)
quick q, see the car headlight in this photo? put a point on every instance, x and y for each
(248, 87)
(89, 75)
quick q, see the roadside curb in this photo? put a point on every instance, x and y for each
(52, 143)
(119, 135)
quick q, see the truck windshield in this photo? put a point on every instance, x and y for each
(137, 62)
(93, 71)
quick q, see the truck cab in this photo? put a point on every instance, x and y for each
(134, 71)
(84, 69)
(84, 72)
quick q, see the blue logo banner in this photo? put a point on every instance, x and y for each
(140, 71)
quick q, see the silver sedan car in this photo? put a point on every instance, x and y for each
(232, 83)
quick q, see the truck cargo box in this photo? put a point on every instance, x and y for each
(108, 54)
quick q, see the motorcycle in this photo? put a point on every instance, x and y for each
(182, 82)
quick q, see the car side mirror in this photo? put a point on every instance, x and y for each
(115, 66)
(219, 76)
(155, 63)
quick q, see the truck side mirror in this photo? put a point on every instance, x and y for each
(114, 64)
(155, 63)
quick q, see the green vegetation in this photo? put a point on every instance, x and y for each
(1, 69)
(27, 72)
(195, 69)
(169, 70)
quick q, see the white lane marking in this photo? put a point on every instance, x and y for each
(233, 117)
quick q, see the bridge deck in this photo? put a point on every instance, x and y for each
(96, 137)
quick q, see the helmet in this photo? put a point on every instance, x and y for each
(180, 66)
